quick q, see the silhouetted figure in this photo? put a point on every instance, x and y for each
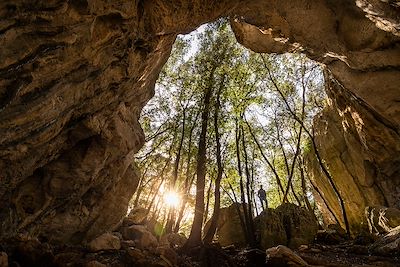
(262, 195)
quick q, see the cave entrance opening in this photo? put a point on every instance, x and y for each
(237, 119)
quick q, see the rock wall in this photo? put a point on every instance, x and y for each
(75, 74)
(362, 153)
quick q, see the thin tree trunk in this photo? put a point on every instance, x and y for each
(139, 190)
(217, 194)
(172, 210)
(304, 188)
(270, 165)
(207, 202)
(250, 222)
(324, 200)
(292, 168)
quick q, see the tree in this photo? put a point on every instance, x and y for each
(256, 136)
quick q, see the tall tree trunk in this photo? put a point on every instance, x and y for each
(184, 203)
(217, 201)
(194, 239)
(188, 178)
(242, 191)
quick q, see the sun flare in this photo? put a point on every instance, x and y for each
(172, 199)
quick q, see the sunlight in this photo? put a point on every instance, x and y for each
(172, 199)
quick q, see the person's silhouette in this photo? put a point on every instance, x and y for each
(262, 195)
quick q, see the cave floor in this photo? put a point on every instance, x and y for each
(346, 254)
(34, 253)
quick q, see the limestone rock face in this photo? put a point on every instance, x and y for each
(362, 156)
(75, 74)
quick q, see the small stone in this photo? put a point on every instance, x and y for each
(125, 244)
(303, 247)
(106, 241)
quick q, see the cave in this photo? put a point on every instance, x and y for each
(75, 75)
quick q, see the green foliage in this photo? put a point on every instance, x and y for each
(213, 58)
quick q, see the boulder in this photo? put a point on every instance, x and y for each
(270, 229)
(3, 259)
(300, 224)
(283, 256)
(287, 225)
(381, 219)
(229, 230)
(136, 216)
(106, 241)
(389, 218)
(143, 238)
(125, 244)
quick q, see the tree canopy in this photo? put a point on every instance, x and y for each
(223, 121)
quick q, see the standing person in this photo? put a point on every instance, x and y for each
(262, 195)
